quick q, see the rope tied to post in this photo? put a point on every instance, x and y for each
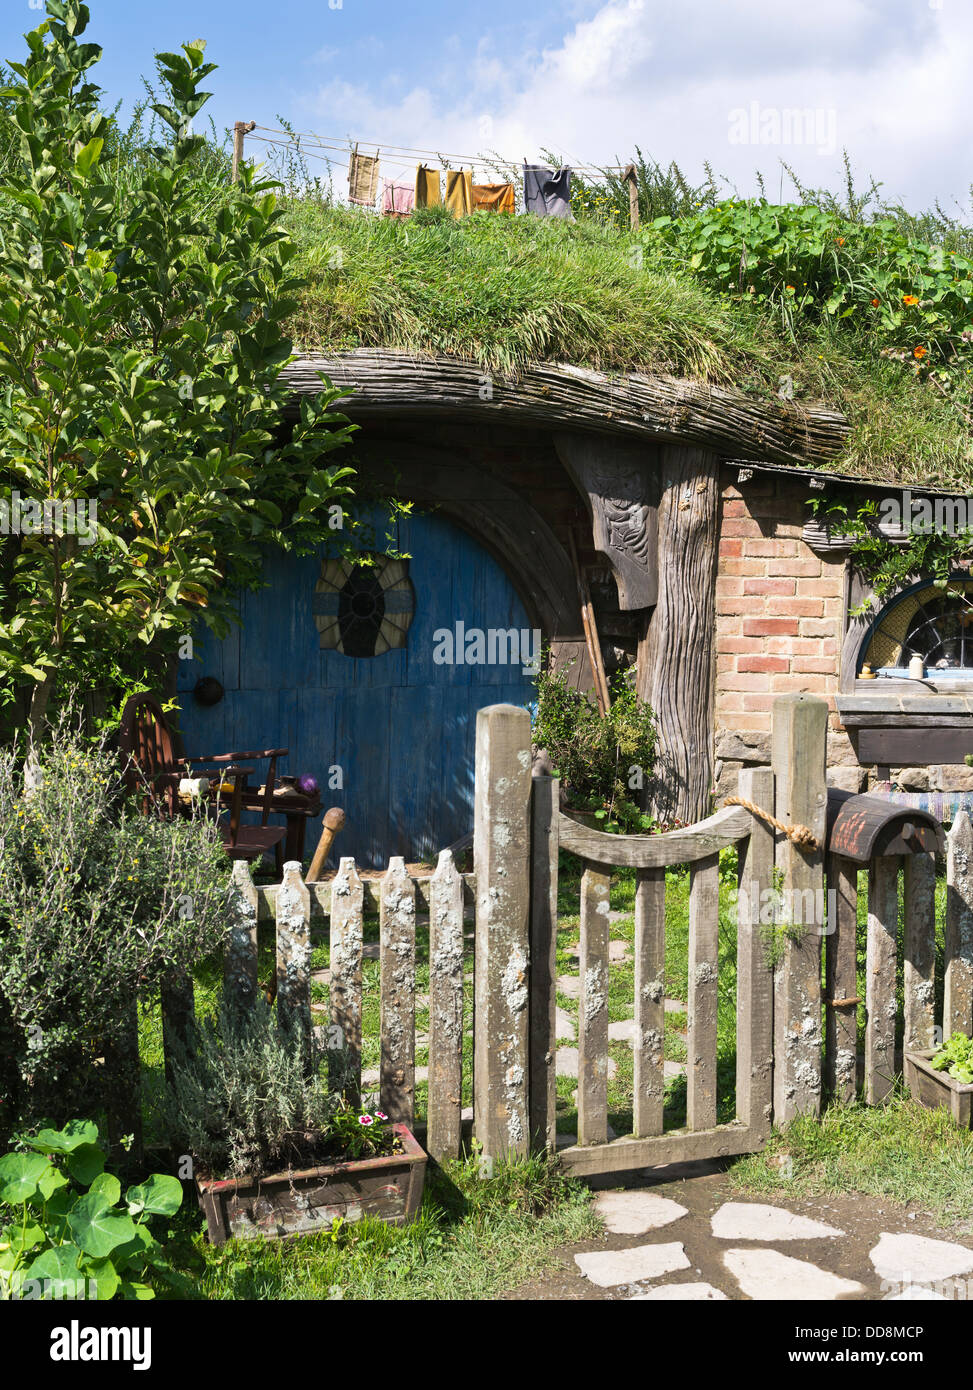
(798, 835)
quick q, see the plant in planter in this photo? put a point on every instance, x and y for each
(944, 1076)
(276, 1148)
(69, 1232)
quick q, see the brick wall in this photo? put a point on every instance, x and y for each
(780, 622)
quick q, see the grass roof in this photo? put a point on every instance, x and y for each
(503, 291)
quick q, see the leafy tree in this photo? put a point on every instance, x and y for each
(141, 348)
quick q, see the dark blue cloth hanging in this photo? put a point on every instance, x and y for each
(547, 192)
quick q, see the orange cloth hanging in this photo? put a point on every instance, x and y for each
(459, 191)
(427, 187)
(494, 197)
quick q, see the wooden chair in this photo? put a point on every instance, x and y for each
(149, 766)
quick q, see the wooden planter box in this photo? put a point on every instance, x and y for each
(934, 1088)
(308, 1200)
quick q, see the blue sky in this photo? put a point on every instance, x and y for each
(744, 84)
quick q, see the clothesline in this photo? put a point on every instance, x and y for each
(337, 143)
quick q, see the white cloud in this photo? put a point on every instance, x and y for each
(891, 76)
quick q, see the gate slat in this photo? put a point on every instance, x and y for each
(397, 917)
(704, 883)
(958, 1000)
(345, 988)
(883, 912)
(841, 966)
(542, 1092)
(445, 1107)
(650, 970)
(755, 977)
(919, 946)
(593, 1008)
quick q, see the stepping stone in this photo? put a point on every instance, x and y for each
(635, 1212)
(619, 951)
(566, 1063)
(624, 1031)
(766, 1274)
(688, 1293)
(670, 1070)
(674, 1006)
(422, 1001)
(916, 1293)
(372, 951)
(567, 1141)
(918, 1259)
(320, 977)
(757, 1221)
(564, 1025)
(569, 985)
(373, 1076)
(606, 1268)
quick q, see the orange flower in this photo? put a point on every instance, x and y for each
(919, 352)
(789, 288)
(840, 240)
(875, 303)
(910, 299)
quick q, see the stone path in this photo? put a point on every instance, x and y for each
(684, 1234)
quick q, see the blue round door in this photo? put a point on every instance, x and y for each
(371, 677)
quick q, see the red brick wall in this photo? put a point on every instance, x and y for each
(780, 619)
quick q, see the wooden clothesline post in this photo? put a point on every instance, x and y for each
(240, 131)
(629, 177)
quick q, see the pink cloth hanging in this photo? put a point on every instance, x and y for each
(398, 198)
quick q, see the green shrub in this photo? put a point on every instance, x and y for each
(603, 760)
(97, 903)
(71, 1234)
(250, 1096)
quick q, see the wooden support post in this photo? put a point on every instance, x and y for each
(240, 965)
(345, 987)
(676, 661)
(631, 179)
(501, 859)
(397, 925)
(444, 1131)
(841, 973)
(800, 728)
(755, 978)
(958, 999)
(880, 959)
(240, 130)
(542, 1089)
(293, 909)
(919, 948)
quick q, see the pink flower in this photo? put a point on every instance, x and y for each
(365, 1120)
(381, 1115)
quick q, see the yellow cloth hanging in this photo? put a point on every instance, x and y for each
(427, 187)
(362, 179)
(494, 197)
(459, 191)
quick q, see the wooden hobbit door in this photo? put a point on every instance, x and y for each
(349, 669)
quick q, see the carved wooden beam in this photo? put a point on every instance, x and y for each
(667, 409)
(616, 480)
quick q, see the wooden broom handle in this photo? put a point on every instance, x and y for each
(334, 820)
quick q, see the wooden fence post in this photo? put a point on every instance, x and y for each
(919, 948)
(444, 1109)
(755, 979)
(958, 999)
(240, 964)
(543, 961)
(841, 966)
(294, 950)
(345, 987)
(800, 728)
(240, 130)
(501, 860)
(880, 961)
(397, 926)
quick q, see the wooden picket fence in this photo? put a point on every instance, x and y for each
(788, 1059)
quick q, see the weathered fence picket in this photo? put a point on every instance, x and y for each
(755, 977)
(703, 1000)
(398, 983)
(240, 964)
(542, 1003)
(593, 1007)
(444, 1107)
(958, 1000)
(345, 984)
(841, 978)
(648, 1082)
(880, 1000)
(294, 950)
(919, 950)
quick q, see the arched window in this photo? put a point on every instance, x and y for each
(928, 621)
(364, 610)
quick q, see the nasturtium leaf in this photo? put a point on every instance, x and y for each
(96, 1228)
(104, 1278)
(19, 1176)
(59, 1264)
(20, 1239)
(159, 1195)
(108, 1185)
(66, 1140)
(50, 1182)
(141, 1292)
(85, 1163)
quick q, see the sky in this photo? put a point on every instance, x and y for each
(742, 84)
